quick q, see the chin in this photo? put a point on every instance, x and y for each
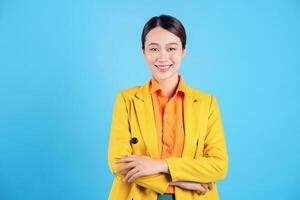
(163, 76)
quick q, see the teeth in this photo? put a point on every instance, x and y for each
(161, 66)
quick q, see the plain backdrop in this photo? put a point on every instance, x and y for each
(62, 63)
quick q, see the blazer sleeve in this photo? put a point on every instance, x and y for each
(213, 165)
(119, 146)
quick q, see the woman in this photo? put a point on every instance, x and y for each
(167, 139)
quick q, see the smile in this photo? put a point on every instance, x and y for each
(163, 66)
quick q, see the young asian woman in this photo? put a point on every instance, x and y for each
(167, 140)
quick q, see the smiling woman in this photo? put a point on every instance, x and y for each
(167, 140)
(163, 52)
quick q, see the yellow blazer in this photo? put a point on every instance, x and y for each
(204, 156)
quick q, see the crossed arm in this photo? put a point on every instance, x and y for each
(188, 173)
(139, 166)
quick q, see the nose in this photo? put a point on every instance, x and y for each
(163, 56)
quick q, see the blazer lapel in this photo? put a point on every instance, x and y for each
(191, 125)
(145, 115)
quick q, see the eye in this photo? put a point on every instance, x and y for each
(153, 49)
(172, 49)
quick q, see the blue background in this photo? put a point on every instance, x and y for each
(63, 62)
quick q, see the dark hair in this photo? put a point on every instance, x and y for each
(166, 22)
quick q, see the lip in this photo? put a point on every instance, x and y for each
(163, 68)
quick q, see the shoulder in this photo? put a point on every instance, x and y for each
(199, 94)
(208, 100)
(131, 91)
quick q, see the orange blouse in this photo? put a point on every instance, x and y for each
(169, 121)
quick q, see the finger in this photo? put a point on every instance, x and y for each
(125, 159)
(210, 186)
(125, 156)
(201, 193)
(130, 173)
(201, 188)
(124, 167)
(204, 189)
(135, 176)
(204, 185)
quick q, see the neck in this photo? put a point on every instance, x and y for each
(169, 85)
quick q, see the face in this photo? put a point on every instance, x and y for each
(163, 53)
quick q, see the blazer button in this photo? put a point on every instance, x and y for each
(134, 140)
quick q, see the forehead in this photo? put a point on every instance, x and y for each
(161, 37)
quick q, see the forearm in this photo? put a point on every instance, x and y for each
(157, 182)
(202, 170)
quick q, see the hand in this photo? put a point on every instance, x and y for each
(140, 166)
(200, 188)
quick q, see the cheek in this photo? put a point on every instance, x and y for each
(151, 58)
(176, 58)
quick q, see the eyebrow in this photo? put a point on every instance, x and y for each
(153, 43)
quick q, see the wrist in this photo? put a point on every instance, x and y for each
(173, 183)
(164, 166)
